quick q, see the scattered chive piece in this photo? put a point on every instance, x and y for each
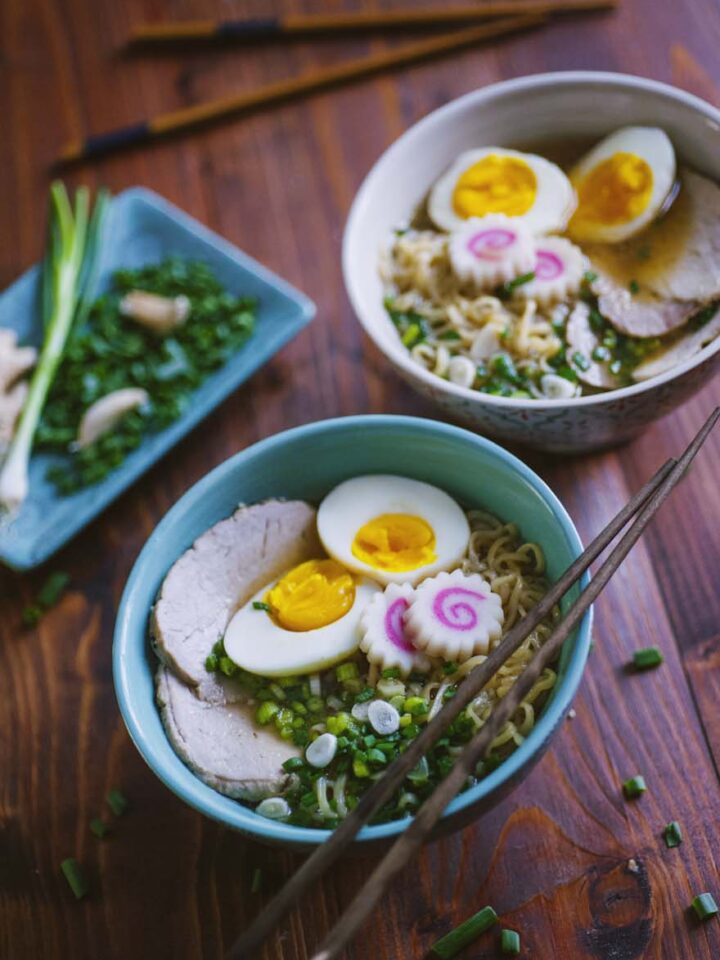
(510, 943)
(75, 877)
(704, 906)
(256, 880)
(260, 605)
(99, 828)
(449, 335)
(507, 288)
(590, 276)
(633, 787)
(673, 834)
(47, 597)
(451, 944)
(634, 286)
(647, 657)
(117, 801)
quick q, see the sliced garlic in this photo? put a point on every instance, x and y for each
(557, 388)
(383, 717)
(106, 412)
(273, 808)
(454, 616)
(322, 751)
(159, 314)
(382, 632)
(462, 371)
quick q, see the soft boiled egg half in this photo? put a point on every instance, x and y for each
(305, 621)
(495, 180)
(622, 184)
(392, 529)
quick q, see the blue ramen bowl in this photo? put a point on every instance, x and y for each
(307, 463)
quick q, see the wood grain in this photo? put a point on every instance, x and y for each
(554, 858)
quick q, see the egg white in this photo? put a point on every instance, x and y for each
(654, 147)
(256, 643)
(355, 502)
(554, 199)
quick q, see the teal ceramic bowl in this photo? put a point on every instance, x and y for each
(306, 463)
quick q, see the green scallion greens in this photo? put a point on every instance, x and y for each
(68, 278)
(451, 944)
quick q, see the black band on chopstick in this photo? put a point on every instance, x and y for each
(255, 27)
(123, 137)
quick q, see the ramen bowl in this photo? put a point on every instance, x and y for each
(546, 107)
(306, 463)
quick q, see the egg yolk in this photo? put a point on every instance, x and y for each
(395, 542)
(311, 595)
(495, 184)
(616, 191)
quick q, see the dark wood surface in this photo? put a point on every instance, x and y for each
(553, 859)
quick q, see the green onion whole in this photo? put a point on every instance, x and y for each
(68, 276)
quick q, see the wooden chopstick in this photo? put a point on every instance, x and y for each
(385, 787)
(314, 23)
(412, 839)
(283, 90)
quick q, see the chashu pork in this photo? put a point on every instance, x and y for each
(227, 564)
(221, 743)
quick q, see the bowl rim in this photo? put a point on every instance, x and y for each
(212, 804)
(399, 357)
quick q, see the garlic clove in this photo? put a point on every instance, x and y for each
(106, 412)
(159, 314)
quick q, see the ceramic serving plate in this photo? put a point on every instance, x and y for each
(144, 228)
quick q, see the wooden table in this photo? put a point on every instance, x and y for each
(555, 859)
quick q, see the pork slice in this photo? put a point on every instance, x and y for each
(221, 743)
(695, 273)
(224, 567)
(582, 339)
(641, 316)
(682, 349)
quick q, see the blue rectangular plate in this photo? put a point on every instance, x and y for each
(144, 228)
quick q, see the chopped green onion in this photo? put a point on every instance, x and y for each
(672, 834)
(261, 605)
(227, 666)
(507, 288)
(634, 787)
(99, 828)
(449, 668)
(416, 706)
(75, 877)
(615, 368)
(590, 276)
(293, 763)
(580, 361)
(510, 943)
(412, 335)
(451, 944)
(601, 354)
(634, 287)
(449, 335)
(391, 673)
(704, 906)
(256, 880)
(366, 694)
(117, 802)
(211, 662)
(346, 671)
(53, 588)
(647, 657)
(32, 615)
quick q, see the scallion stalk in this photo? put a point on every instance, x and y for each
(461, 936)
(69, 273)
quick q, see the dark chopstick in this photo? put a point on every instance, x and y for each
(302, 24)
(425, 819)
(386, 786)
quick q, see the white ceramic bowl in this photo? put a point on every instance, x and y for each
(548, 105)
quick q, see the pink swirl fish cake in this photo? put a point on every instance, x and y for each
(489, 251)
(454, 616)
(382, 629)
(558, 271)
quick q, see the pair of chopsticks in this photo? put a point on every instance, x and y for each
(303, 24)
(521, 15)
(640, 509)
